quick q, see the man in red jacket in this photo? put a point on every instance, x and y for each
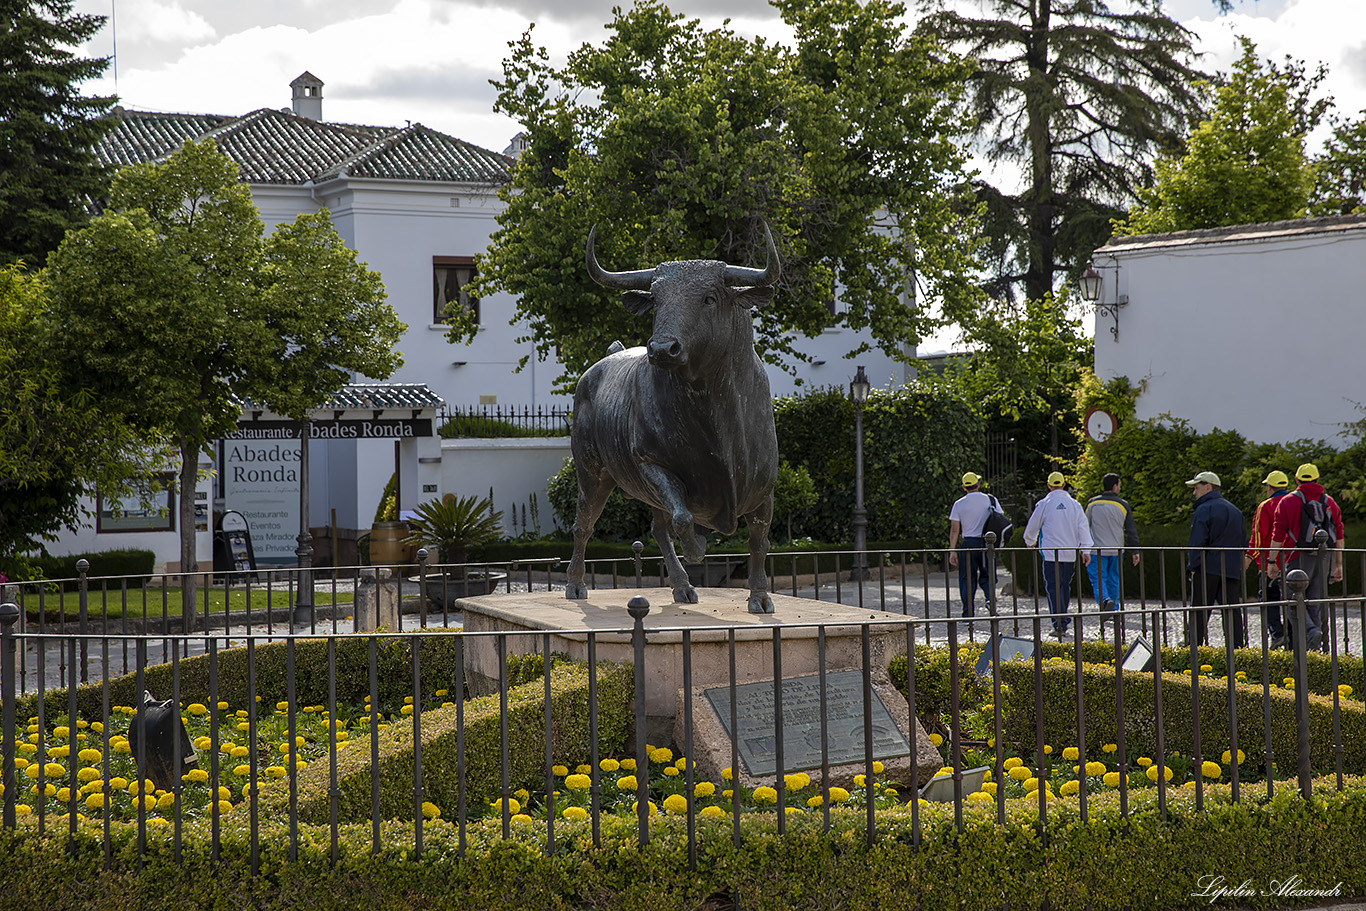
(1292, 545)
(1259, 552)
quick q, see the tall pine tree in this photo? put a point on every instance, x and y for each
(48, 129)
(1079, 97)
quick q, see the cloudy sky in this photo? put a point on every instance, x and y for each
(386, 62)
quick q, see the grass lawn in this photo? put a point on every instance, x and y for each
(154, 602)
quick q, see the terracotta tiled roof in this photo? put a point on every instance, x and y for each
(279, 147)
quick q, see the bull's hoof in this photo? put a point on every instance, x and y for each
(760, 603)
(685, 594)
(576, 591)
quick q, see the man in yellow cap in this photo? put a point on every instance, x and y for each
(1299, 518)
(1058, 527)
(968, 518)
(1276, 485)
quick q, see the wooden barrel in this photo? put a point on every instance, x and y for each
(387, 547)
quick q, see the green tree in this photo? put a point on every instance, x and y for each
(1079, 97)
(678, 141)
(55, 444)
(1246, 163)
(48, 129)
(1340, 172)
(172, 306)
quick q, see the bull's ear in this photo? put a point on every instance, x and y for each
(637, 302)
(753, 298)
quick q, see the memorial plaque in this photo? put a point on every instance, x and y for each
(801, 730)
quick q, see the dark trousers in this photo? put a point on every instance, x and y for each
(1057, 584)
(1208, 590)
(1275, 628)
(1318, 582)
(972, 575)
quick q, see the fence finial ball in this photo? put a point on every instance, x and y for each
(82, 566)
(9, 613)
(638, 607)
(1298, 580)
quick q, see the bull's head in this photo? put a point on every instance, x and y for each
(699, 305)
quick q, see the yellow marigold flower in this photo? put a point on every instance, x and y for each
(28, 748)
(94, 801)
(54, 770)
(20, 762)
(1111, 779)
(1070, 788)
(559, 771)
(284, 747)
(991, 742)
(118, 783)
(510, 804)
(203, 743)
(1012, 762)
(1070, 753)
(1344, 690)
(1228, 756)
(578, 782)
(712, 812)
(574, 813)
(672, 771)
(1206, 668)
(797, 781)
(89, 773)
(22, 809)
(88, 755)
(1144, 761)
(522, 794)
(1047, 749)
(197, 708)
(682, 764)
(430, 810)
(663, 754)
(222, 706)
(815, 801)
(61, 732)
(945, 770)
(635, 805)
(522, 819)
(343, 736)
(166, 801)
(60, 752)
(1210, 769)
(727, 793)
(989, 787)
(275, 771)
(282, 706)
(937, 739)
(1152, 773)
(48, 789)
(676, 804)
(979, 797)
(838, 795)
(1031, 784)
(583, 769)
(239, 751)
(859, 781)
(877, 767)
(195, 775)
(1020, 772)
(628, 764)
(627, 782)
(64, 795)
(1288, 681)
(242, 770)
(243, 726)
(224, 806)
(1240, 675)
(703, 789)
(1095, 768)
(406, 710)
(609, 765)
(765, 794)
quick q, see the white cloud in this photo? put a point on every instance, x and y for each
(165, 21)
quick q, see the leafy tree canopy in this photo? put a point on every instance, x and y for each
(173, 302)
(48, 129)
(1340, 172)
(1079, 96)
(677, 142)
(1246, 163)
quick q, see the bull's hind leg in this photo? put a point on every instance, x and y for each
(684, 593)
(758, 522)
(594, 489)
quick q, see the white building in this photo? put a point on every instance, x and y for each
(418, 206)
(1252, 328)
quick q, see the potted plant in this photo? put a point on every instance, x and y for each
(451, 526)
(388, 536)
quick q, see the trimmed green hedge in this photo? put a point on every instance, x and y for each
(128, 562)
(482, 723)
(1140, 722)
(1138, 863)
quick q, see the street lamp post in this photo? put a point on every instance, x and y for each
(858, 394)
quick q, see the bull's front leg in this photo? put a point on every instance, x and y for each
(758, 522)
(674, 520)
(594, 488)
(684, 593)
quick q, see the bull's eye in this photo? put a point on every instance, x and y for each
(710, 299)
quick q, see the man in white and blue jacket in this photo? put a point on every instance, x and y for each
(1058, 527)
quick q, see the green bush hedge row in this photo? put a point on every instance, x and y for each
(483, 755)
(1059, 719)
(136, 563)
(1141, 862)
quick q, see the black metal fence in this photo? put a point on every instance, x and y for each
(504, 421)
(74, 751)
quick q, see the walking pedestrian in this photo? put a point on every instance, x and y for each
(1058, 528)
(967, 518)
(1111, 519)
(1212, 562)
(1299, 517)
(1276, 485)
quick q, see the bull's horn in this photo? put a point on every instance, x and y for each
(623, 281)
(757, 278)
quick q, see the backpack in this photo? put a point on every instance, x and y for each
(999, 522)
(1313, 516)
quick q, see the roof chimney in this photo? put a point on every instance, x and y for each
(308, 96)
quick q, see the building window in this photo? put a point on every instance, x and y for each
(150, 509)
(451, 276)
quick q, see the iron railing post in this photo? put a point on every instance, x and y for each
(422, 556)
(638, 607)
(83, 567)
(636, 549)
(9, 615)
(990, 539)
(1298, 580)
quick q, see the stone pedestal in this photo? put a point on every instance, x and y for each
(376, 601)
(525, 617)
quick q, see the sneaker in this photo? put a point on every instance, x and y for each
(1277, 641)
(1315, 639)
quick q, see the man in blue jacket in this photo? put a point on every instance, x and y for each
(1215, 560)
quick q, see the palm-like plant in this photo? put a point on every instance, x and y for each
(453, 525)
